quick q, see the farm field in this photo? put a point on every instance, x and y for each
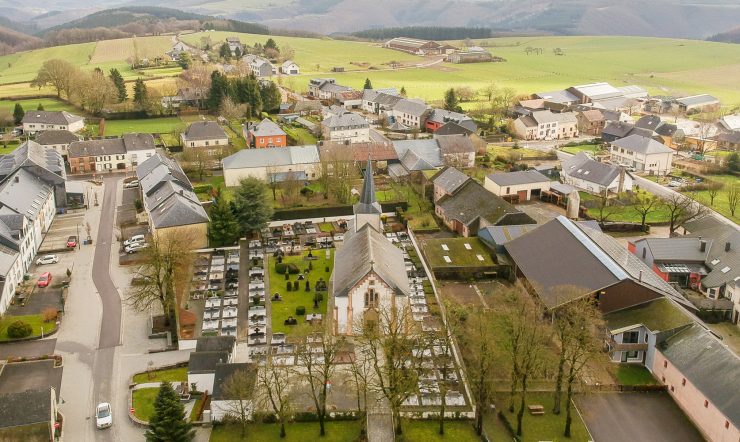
(23, 66)
(124, 48)
(49, 104)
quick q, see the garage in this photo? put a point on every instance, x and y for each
(518, 186)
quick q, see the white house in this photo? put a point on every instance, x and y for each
(409, 112)
(584, 173)
(272, 163)
(546, 125)
(36, 121)
(59, 140)
(346, 126)
(523, 184)
(326, 88)
(107, 154)
(204, 134)
(643, 153)
(289, 67)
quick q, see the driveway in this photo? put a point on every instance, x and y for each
(618, 417)
(28, 349)
(36, 375)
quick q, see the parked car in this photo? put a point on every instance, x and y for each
(103, 416)
(133, 248)
(72, 242)
(47, 259)
(44, 280)
(136, 239)
(131, 184)
(675, 183)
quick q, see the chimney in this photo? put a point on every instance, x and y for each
(702, 245)
(17, 179)
(639, 278)
(728, 245)
(182, 192)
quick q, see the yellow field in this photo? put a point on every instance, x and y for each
(125, 48)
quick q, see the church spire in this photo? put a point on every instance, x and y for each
(367, 203)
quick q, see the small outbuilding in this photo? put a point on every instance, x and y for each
(517, 186)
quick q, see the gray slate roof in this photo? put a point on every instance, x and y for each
(697, 99)
(561, 96)
(345, 120)
(24, 197)
(32, 152)
(50, 117)
(472, 202)
(583, 167)
(452, 128)
(204, 130)
(26, 408)
(93, 148)
(53, 137)
(411, 107)
(135, 141)
(272, 156)
(427, 149)
(367, 251)
(724, 264)
(450, 179)
(267, 128)
(215, 343)
(677, 249)
(709, 365)
(205, 361)
(519, 177)
(640, 144)
(224, 372)
(453, 144)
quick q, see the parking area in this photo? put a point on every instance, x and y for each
(541, 211)
(63, 226)
(614, 417)
(27, 349)
(36, 375)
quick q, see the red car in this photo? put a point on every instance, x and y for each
(72, 242)
(44, 279)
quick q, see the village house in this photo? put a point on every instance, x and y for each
(58, 140)
(440, 117)
(409, 112)
(46, 166)
(546, 125)
(377, 101)
(727, 141)
(204, 134)
(110, 154)
(30, 416)
(730, 122)
(235, 46)
(517, 186)
(264, 134)
(669, 134)
(447, 181)
(171, 206)
(696, 104)
(346, 126)
(210, 351)
(177, 49)
(471, 207)
(561, 97)
(259, 66)
(36, 121)
(272, 164)
(325, 88)
(584, 173)
(723, 244)
(615, 130)
(289, 67)
(431, 154)
(642, 154)
(591, 122)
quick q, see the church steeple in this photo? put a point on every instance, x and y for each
(368, 204)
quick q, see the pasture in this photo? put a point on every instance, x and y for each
(49, 104)
(124, 48)
(150, 125)
(23, 66)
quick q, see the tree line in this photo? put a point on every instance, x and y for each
(425, 33)
(250, 95)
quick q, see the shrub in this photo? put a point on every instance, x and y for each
(202, 188)
(49, 314)
(310, 265)
(280, 267)
(300, 310)
(139, 205)
(19, 329)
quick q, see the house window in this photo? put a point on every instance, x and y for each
(508, 190)
(662, 378)
(631, 337)
(672, 389)
(665, 364)
(706, 403)
(683, 382)
(727, 424)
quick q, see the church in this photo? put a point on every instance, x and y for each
(369, 271)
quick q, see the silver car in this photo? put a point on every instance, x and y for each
(47, 259)
(103, 416)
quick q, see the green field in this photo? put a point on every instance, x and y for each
(589, 148)
(23, 66)
(150, 125)
(428, 431)
(49, 104)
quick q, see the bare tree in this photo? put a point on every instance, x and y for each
(362, 372)
(682, 209)
(733, 197)
(291, 184)
(645, 203)
(195, 160)
(272, 180)
(526, 337)
(713, 189)
(706, 126)
(342, 171)
(273, 382)
(439, 343)
(605, 210)
(317, 351)
(230, 110)
(238, 389)
(56, 73)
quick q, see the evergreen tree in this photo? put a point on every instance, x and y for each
(733, 162)
(225, 51)
(368, 84)
(253, 206)
(451, 101)
(403, 91)
(247, 90)
(224, 228)
(238, 52)
(270, 44)
(18, 113)
(169, 424)
(184, 60)
(40, 107)
(219, 90)
(270, 95)
(117, 79)
(140, 93)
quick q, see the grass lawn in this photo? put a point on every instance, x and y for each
(419, 212)
(144, 402)
(326, 227)
(281, 310)
(546, 427)
(196, 406)
(148, 125)
(521, 153)
(170, 140)
(36, 322)
(301, 135)
(590, 148)
(49, 104)
(214, 181)
(428, 431)
(721, 204)
(626, 213)
(462, 252)
(9, 148)
(177, 374)
(338, 431)
(628, 374)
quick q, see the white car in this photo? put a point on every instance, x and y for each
(133, 248)
(47, 259)
(131, 184)
(136, 239)
(103, 416)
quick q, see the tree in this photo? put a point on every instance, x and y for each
(389, 342)
(476, 333)
(524, 344)
(713, 190)
(316, 351)
(120, 85)
(169, 423)
(682, 209)
(733, 162)
(238, 53)
(645, 203)
(18, 113)
(253, 209)
(225, 51)
(368, 84)
(165, 261)
(140, 93)
(230, 110)
(270, 96)
(339, 172)
(197, 78)
(605, 210)
(465, 93)
(270, 44)
(93, 90)
(40, 106)
(219, 90)
(58, 74)
(223, 229)
(184, 59)
(273, 381)
(733, 197)
(361, 369)
(451, 101)
(239, 389)
(403, 91)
